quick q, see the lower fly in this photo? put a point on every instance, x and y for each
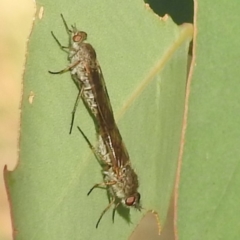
(121, 183)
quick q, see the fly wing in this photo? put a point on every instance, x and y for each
(119, 147)
(115, 142)
(104, 106)
(106, 123)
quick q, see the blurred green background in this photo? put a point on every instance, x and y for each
(15, 24)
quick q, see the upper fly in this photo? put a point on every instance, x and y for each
(84, 68)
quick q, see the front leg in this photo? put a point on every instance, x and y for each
(67, 68)
(64, 48)
(101, 185)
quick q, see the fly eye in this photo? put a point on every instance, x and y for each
(134, 201)
(77, 38)
(130, 201)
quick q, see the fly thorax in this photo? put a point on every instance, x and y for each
(117, 188)
(78, 69)
(130, 180)
(76, 46)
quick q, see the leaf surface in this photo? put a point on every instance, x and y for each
(143, 59)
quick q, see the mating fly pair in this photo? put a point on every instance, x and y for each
(119, 177)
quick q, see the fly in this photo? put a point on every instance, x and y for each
(84, 68)
(119, 177)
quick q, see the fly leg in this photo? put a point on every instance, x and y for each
(114, 210)
(104, 211)
(95, 152)
(89, 143)
(69, 31)
(66, 69)
(100, 185)
(64, 48)
(74, 109)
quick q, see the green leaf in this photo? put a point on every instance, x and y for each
(143, 59)
(209, 185)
